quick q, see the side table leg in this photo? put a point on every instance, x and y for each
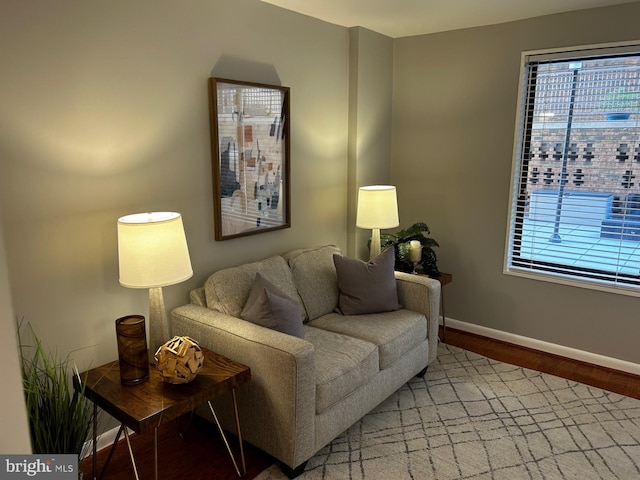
(133, 460)
(155, 452)
(111, 450)
(235, 412)
(215, 417)
(95, 439)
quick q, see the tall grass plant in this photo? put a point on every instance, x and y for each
(60, 416)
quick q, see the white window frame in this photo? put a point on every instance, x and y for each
(568, 53)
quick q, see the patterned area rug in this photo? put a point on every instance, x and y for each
(476, 418)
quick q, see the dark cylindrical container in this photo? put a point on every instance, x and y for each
(132, 349)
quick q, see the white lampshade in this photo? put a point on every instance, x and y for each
(377, 207)
(152, 250)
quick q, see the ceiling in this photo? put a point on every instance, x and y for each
(402, 18)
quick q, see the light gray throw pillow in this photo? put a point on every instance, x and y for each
(268, 306)
(367, 287)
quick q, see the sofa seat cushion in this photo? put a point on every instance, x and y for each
(394, 333)
(342, 364)
(227, 290)
(315, 276)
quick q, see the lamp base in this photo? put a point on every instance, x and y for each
(158, 323)
(374, 250)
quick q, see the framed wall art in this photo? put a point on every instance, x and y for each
(250, 157)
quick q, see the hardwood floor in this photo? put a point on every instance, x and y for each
(202, 454)
(199, 454)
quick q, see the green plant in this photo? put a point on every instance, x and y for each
(620, 100)
(401, 241)
(59, 415)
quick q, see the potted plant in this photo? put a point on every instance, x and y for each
(620, 103)
(59, 415)
(401, 243)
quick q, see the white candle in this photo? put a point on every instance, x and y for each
(415, 251)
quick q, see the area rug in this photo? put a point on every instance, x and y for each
(471, 417)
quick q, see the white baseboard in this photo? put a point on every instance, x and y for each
(573, 353)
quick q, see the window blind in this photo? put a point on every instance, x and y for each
(575, 204)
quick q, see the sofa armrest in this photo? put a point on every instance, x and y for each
(422, 294)
(277, 407)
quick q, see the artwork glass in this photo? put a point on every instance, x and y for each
(250, 157)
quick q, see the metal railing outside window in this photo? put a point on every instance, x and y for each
(575, 203)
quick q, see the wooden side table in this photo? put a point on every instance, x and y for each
(444, 279)
(146, 406)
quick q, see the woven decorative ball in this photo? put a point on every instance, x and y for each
(179, 360)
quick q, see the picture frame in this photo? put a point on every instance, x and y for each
(250, 151)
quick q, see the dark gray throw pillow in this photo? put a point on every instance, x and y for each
(268, 306)
(367, 287)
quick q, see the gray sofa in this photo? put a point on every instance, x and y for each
(305, 392)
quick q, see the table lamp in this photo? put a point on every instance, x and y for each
(153, 253)
(377, 208)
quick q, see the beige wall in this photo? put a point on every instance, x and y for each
(453, 126)
(370, 90)
(13, 416)
(105, 112)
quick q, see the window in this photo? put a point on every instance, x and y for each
(575, 201)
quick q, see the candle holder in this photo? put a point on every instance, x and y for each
(414, 271)
(132, 349)
(415, 254)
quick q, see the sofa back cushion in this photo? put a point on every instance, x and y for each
(367, 287)
(270, 307)
(315, 276)
(228, 290)
(197, 297)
